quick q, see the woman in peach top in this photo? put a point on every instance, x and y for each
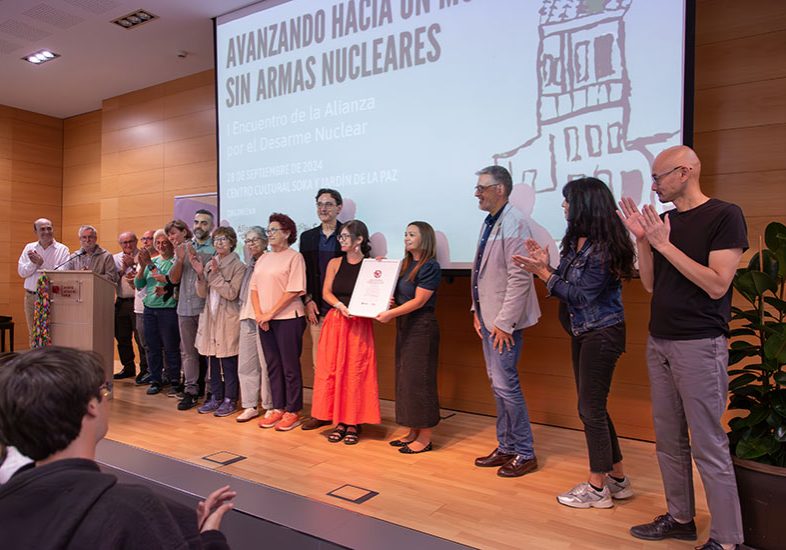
(278, 281)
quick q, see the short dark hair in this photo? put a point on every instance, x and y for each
(333, 193)
(500, 175)
(206, 212)
(286, 224)
(180, 225)
(44, 394)
(229, 233)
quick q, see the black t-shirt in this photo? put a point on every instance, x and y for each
(345, 279)
(681, 310)
(427, 277)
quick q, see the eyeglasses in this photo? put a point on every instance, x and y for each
(130, 242)
(219, 240)
(254, 240)
(481, 188)
(146, 238)
(344, 237)
(103, 390)
(657, 177)
(273, 230)
(326, 205)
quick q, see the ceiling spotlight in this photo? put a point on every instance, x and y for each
(40, 56)
(134, 19)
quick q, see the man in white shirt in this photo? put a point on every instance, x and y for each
(45, 253)
(126, 262)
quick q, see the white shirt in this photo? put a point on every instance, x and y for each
(53, 256)
(13, 461)
(125, 288)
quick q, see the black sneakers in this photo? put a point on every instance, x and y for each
(189, 401)
(665, 527)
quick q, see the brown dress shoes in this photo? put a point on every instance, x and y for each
(494, 460)
(518, 466)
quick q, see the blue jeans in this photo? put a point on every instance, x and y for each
(161, 331)
(514, 433)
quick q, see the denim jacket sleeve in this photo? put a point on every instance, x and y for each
(579, 280)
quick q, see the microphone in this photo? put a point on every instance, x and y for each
(76, 254)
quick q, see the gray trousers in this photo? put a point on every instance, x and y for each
(189, 356)
(689, 384)
(252, 369)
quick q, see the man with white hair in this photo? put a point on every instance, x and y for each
(91, 257)
(44, 253)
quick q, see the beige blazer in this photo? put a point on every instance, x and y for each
(506, 292)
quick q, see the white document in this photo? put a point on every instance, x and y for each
(374, 287)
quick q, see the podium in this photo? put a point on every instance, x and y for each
(82, 314)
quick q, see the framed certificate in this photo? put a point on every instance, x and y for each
(374, 287)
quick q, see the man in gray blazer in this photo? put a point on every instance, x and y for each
(504, 303)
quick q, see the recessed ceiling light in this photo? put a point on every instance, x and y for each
(41, 56)
(134, 19)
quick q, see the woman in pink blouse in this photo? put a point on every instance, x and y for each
(278, 281)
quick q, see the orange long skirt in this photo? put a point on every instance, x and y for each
(345, 381)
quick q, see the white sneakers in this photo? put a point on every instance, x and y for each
(247, 414)
(584, 496)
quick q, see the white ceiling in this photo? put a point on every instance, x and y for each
(99, 59)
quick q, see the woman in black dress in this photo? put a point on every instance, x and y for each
(417, 339)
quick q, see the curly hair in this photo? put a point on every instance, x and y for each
(286, 224)
(592, 213)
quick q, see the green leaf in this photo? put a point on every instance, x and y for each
(775, 236)
(775, 348)
(742, 380)
(755, 447)
(778, 401)
(735, 356)
(780, 378)
(769, 265)
(741, 402)
(757, 415)
(743, 331)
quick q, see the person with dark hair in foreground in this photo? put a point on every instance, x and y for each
(596, 253)
(54, 409)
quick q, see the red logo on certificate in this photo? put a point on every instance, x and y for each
(377, 274)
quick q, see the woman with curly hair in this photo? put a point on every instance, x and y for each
(278, 281)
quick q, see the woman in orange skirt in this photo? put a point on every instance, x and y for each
(345, 381)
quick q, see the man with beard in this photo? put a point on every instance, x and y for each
(91, 257)
(189, 304)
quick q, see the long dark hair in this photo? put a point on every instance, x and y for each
(592, 213)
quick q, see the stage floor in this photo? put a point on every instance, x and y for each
(440, 492)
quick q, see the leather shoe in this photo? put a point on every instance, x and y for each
(125, 373)
(408, 451)
(712, 544)
(518, 466)
(314, 423)
(495, 459)
(664, 527)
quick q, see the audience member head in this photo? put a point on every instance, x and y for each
(493, 188)
(357, 231)
(51, 400)
(590, 210)
(163, 243)
(147, 241)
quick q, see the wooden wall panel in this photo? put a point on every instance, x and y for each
(31, 173)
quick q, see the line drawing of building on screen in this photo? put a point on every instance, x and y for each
(583, 106)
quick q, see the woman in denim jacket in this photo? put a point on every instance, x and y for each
(596, 253)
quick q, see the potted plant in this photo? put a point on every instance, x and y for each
(758, 386)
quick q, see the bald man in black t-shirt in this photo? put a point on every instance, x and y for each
(687, 260)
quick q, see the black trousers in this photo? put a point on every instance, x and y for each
(125, 330)
(595, 355)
